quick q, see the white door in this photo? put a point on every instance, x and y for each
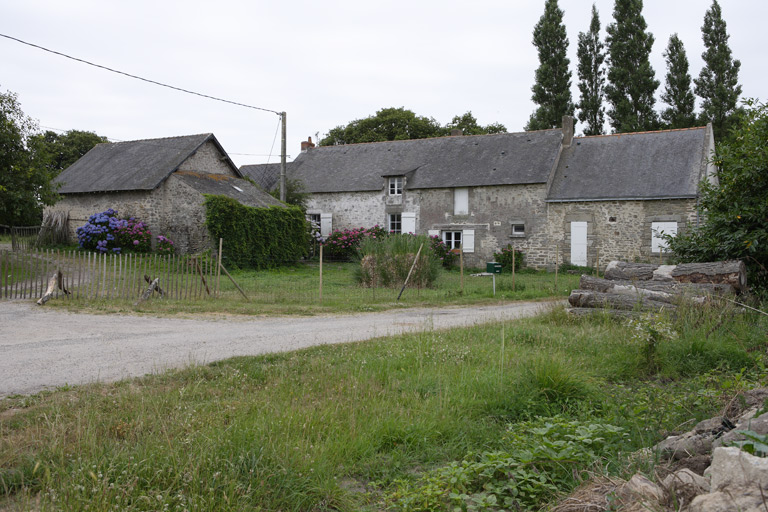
(579, 243)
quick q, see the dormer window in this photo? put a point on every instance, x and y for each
(396, 186)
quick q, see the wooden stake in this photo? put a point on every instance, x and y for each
(56, 282)
(461, 268)
(202, 277)
(147, 292)
(513, 270)
(321, 272)
(218, 267)
(557, 263)
(234, 283)
(410, 271)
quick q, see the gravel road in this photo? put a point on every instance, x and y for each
(43, 348)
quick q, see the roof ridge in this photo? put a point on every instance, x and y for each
(641, 133)
(436, 138)
(207, 134)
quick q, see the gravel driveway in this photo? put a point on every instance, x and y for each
(43, 348)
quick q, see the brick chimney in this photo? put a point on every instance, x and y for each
(307, 144)
(567, 130)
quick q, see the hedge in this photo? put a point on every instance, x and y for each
(257, 237)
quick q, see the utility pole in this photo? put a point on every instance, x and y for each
(282, 159)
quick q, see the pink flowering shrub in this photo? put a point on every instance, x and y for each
(343, 245)
(165, 245)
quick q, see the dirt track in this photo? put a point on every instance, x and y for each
(43, 348)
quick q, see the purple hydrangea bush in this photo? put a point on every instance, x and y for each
(165, 245)
(105, 232)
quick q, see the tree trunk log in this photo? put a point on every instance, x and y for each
(56, 281)
(733, 273)
(643, 287)
(144, 296)
(616, 313)
(593, 299)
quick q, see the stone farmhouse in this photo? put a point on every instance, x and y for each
(159, 181)
(556, 197)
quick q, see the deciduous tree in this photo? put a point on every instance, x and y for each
(469, 126)
(735, 209)
(55, 152)
(591, 57)
(387, 124)
(631, 79)
(552, 86)
(677, 89)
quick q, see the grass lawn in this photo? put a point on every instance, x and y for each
(296, 290)
(491, 417)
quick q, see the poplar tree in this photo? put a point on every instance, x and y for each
(677, 89)
(631, 79)
(591, 56)
(552, 87)
(718, 83)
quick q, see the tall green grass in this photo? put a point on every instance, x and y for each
(386, 423)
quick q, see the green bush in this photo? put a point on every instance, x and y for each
(386, 261)
(257, 237)
(506, 255)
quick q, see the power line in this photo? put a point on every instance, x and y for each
(138, 77)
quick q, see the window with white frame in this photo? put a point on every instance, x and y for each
(518, 230)
(658, 229)
(396, 186)
(461, 201)
(314, 218)
(395, 223)
(452, 239)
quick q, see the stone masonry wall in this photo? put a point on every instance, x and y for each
(362, 209)
(140, 204)
(492, 213)
(207, 159)
(616, 230)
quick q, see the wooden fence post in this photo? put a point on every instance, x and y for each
(218, 267)
(321, 273)
(513, 269)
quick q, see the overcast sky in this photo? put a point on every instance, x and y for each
(324, 63)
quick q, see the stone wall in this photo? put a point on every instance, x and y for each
(362, 209)
(207, 159)
(616, 230)
(492, 213)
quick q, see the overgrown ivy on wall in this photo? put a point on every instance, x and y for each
(256, 237)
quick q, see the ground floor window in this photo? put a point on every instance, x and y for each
(395, 223)
(314, 218)
(452, 239)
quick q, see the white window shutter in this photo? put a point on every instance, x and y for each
(326, 223)
(409, 222)
(433, 232)
(468, 240)
(657, 228)
(461, 201)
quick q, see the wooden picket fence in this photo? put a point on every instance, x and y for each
(25, 274)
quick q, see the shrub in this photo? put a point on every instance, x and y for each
(446, 255)
(386, 261)
(506, 255)
(343, 245)
(165, 245)
(257, 237)
(106, 232)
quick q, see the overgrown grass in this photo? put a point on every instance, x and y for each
(296, 290)
(414, 422)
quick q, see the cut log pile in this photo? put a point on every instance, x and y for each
(630, 288)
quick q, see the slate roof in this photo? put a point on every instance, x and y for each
(221, 184)
(646, 165)
(264, 175)
(462, 161)
(133, 165)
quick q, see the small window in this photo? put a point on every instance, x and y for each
(396, 186)
(661, 228)
(461, 201)
(452, 239)
(314, 218)
(518, 230)
(395, 223)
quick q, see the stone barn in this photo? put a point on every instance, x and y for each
(159, 181)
